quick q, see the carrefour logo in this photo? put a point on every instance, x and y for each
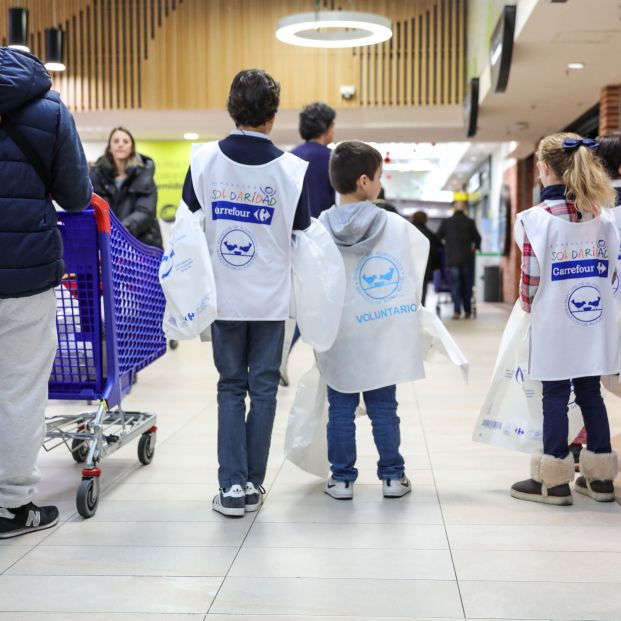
(240, 212)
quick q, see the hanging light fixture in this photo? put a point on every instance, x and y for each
(333, 29)
(54, 49)
(18, 29)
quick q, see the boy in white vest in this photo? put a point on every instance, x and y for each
(253, 196)
(569, 246)
(378, 344)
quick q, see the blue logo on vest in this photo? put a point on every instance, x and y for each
(240, 212)
(379, 277)
(585, 304)
(237, 248)
(583, 268)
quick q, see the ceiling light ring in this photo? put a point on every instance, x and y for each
(302, 29)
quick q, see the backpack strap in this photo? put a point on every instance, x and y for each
(26, 148)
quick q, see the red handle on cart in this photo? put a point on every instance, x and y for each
(102, 213)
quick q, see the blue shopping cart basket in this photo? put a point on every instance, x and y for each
(109, 310)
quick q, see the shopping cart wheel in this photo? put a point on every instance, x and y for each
(79, 450)
(146, 447)
(87, 498)
(173, 344)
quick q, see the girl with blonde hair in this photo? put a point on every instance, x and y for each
(569, 246)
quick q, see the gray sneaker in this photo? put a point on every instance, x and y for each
(230, 502)
(341, 490)
(395, 488)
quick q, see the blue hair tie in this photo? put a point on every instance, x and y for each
(570, 144)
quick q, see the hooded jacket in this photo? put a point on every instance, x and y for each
(30, 243)
(135, 201)
(378, 339)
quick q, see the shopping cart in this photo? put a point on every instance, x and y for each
(442, 286)
(109, 310)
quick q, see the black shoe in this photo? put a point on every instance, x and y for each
(575, 450)
(254, 496)
(230, 502)
(27, 519)
(532, 490)
(602, 491)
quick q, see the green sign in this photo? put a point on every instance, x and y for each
(172, 159)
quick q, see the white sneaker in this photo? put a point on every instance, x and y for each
(341, 490)
(395, 488)
(254, 497)
(230, 502)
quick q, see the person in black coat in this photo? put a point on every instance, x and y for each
(419, 220)
(461, 241)
(124, 178)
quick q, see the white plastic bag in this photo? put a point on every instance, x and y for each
(438, 344)
(318, 285)
(512, 413)
(187, 279)
(306, 443)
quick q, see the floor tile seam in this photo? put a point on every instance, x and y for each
(130, 545)
(108, 486)
(356, 523)
(241, 545)
(247, 577)
(433, 477)
(26, 553)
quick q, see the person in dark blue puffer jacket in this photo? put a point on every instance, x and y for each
(31, 266)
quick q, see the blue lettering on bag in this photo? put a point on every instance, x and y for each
(584, 268)
(240, 212)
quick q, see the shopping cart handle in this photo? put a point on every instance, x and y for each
(102, 213)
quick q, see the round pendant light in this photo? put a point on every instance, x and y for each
(18, 29)
(334, 29)
(54, 49)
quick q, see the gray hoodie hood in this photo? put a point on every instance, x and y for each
(355, 226)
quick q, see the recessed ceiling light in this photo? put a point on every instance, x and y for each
(190, 136)
(575, 65)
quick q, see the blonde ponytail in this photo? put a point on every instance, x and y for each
(576, 164)
(587, 183)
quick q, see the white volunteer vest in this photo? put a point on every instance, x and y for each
(573, 315)
(378, 342)
(249, 212)
(616, 286)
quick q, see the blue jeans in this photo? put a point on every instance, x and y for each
(382, 410)
(555, 422)
(461, 288)
(247, 355)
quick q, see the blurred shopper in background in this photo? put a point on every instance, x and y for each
(317, 130)
(609, 152)
(381, 201)
(124, 178)
(419, 220)
(461, 241)
(41, 159)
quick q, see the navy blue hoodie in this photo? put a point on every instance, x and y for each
(30, 243)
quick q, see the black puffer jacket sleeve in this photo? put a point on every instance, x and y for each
(142, 193)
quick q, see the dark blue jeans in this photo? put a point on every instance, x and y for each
(247, 355)
(382, 410)
(555, 422)
(461, 288)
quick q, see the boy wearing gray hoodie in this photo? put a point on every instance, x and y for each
(377, 345)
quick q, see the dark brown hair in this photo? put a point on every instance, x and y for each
(609, 153)
(253, 98)
(349, 161)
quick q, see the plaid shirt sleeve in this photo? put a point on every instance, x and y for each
(531, 273)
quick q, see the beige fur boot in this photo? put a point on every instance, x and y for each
(598, 471)
(549, 482)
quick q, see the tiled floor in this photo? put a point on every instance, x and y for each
(457, 548)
